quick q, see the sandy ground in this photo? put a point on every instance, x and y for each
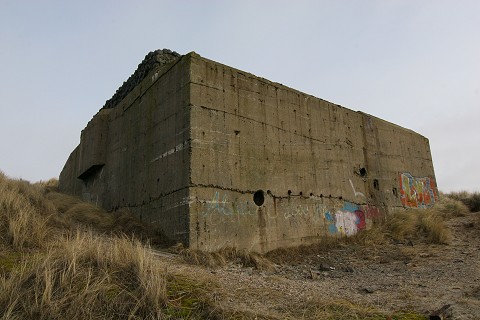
(399, 276)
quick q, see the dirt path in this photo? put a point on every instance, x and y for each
(395, 277)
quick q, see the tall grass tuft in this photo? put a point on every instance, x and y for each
(61, 258)
(23, 214)
(87, 276)
(415, 224)
(450, 207)
(433, 227)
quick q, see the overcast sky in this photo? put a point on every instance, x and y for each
(414, 63)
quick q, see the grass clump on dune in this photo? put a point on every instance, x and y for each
(470, 199)
(417, 224)
(87, 276)
(450, 207)
(23, 214)
(57, 261)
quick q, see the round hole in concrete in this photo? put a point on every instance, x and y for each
(259, 198)
(363, 172)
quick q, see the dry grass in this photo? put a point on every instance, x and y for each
(402, 225)
(222, 257)
(325, 309)
(23, 214)
(414, 224)
(450, 207)
(203, 258)
(434, 228)
(471, 200)
(343, 309)
(74, 213)
(87, 276)
(51, 268)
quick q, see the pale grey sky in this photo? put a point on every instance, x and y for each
(414, 63)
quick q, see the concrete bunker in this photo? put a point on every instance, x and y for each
(191, 145)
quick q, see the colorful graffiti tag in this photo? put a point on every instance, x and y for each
(417, 192)
(350, 219)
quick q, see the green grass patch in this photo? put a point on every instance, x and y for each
(9, 260)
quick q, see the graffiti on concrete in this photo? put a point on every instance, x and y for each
(343, 218)
(350, 219)
(355, 192)
(219, 204)
(346, 222)
(307, 211)
(417, 192)
(300, 210)
(371, 212)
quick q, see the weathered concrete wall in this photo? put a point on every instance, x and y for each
(220, 157)
(393, 152)
(144, 161)
(321, 169)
